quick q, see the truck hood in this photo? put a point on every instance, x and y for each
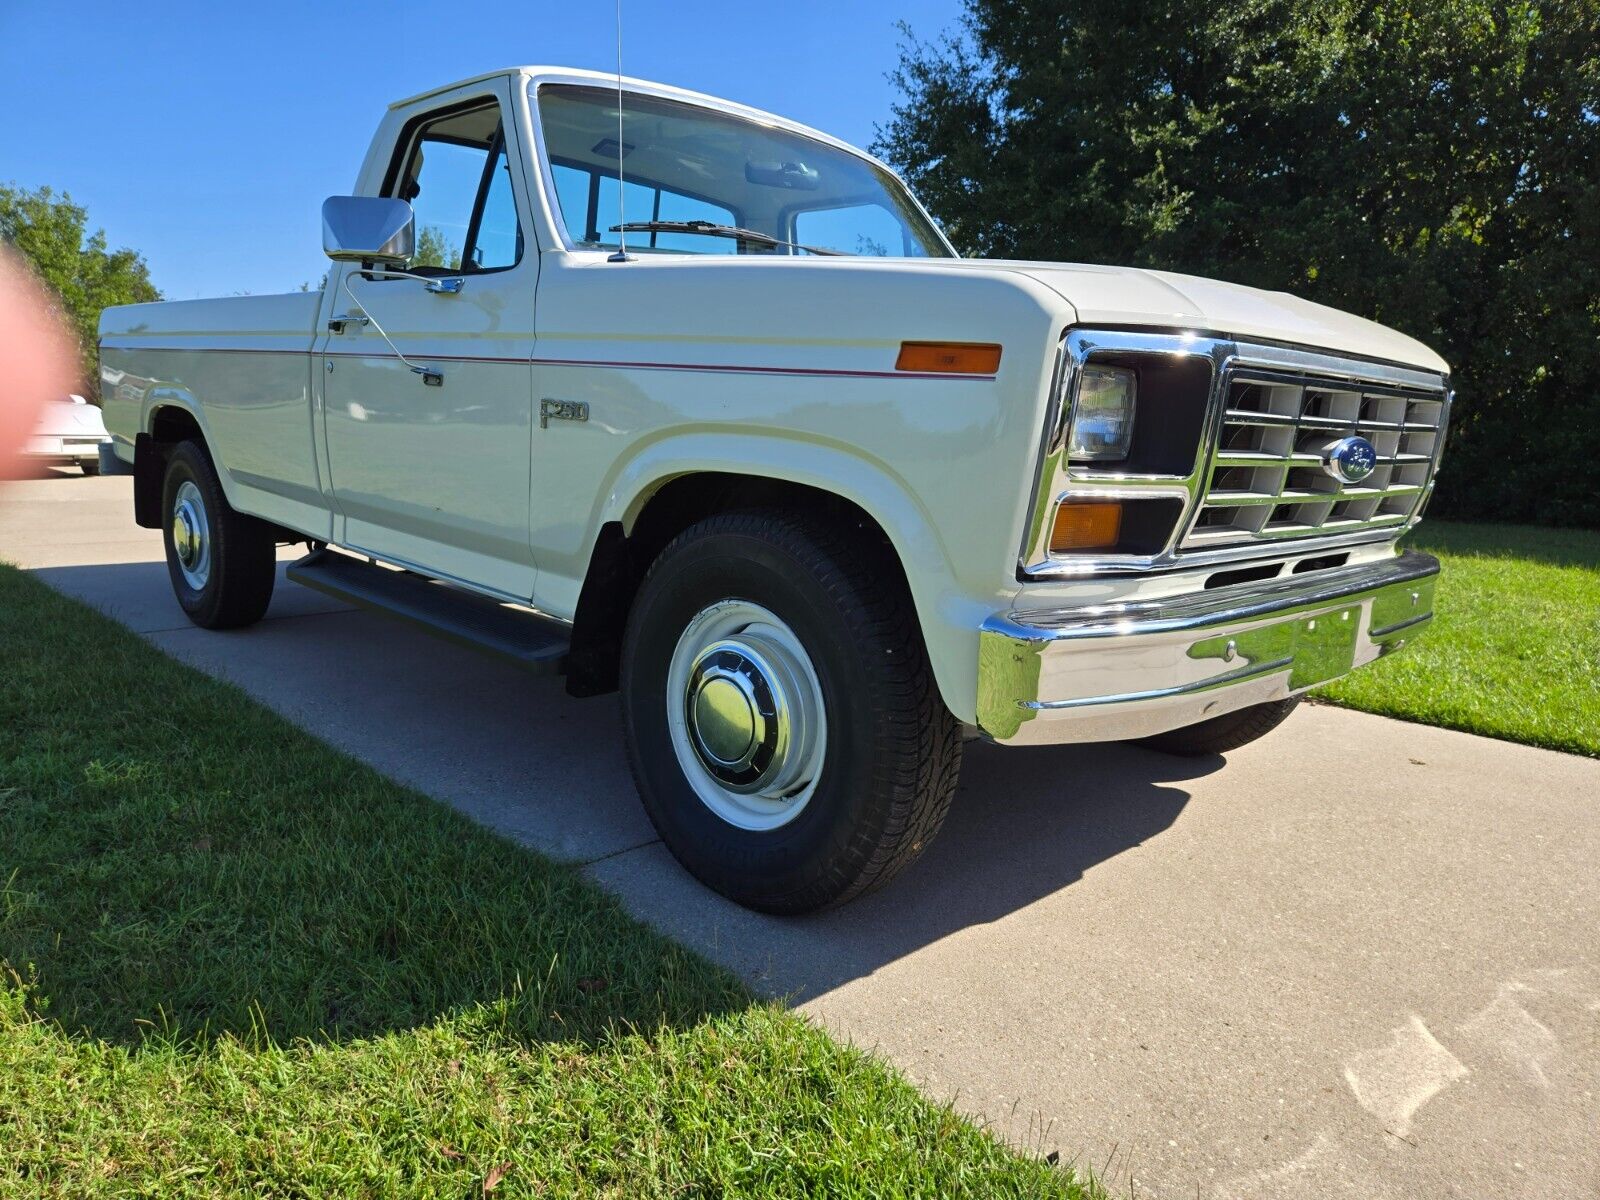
(1127, 296)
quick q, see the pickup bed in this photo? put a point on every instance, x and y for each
(702, 406)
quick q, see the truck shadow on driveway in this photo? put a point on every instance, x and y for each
(519, 756)
(1025, 824)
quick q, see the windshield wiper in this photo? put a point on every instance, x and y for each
(753, 237)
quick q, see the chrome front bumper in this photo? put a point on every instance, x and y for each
(1111, 672)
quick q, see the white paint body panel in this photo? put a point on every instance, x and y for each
(1124, 296)
(763, 365)
(239, 365)
(438, 477)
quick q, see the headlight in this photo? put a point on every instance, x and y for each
(1102, 422)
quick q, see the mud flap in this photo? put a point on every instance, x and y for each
(149, 472)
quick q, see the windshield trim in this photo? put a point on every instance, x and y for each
(537, 83)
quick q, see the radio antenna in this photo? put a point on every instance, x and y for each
(622, 213)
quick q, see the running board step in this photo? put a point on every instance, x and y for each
(535, 643)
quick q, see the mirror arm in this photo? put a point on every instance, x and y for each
(430, 377)
(442, 285)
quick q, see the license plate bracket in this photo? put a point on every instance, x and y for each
(1325, 646)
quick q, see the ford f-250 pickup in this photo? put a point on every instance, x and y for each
(703, 407)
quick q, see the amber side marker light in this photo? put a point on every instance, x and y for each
(1086, 525)
(949, 358)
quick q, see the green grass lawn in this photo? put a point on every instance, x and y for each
(1514, 651)
(236, 962)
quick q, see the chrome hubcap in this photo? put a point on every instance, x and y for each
(746, 715)
(191, 537)
(739, 721)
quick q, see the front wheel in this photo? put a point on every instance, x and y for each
(222, 563)
(783, 725)
(1224, 733)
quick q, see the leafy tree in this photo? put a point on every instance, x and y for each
(50, 232)
(435, 250)
(1433, 166)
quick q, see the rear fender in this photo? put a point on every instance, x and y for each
(150, 454)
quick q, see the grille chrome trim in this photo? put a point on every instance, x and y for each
(1265, 482)
(1278, 366)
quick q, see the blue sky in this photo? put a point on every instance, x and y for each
(206, 135)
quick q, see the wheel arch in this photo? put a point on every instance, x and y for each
(169, 418)
(649, 503)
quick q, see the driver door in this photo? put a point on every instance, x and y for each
(433, 471)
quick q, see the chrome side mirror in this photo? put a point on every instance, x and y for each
(368, 229)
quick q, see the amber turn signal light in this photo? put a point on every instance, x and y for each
(1086, 525)
(949, 358)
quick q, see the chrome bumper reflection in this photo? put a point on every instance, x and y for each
(1111, 672)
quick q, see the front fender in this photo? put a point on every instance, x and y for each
(949, 614)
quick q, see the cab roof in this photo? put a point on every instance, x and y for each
(578, 75)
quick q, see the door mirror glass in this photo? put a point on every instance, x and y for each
(368, 229)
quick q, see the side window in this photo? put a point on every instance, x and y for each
(458, 182)
(498, 242)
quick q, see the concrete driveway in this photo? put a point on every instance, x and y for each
(1358, 959)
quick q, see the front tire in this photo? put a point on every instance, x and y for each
(222, 563)
(784, 729)
(1224, 733)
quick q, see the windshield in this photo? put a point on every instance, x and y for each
(685, 163)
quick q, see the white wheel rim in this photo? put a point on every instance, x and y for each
(745, 711)
(191, 535)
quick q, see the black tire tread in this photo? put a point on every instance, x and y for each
(919, 760)
(244, 567)
(1227, 732)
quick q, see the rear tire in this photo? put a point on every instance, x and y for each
(90, 466)
(1224, 733)
(222, 563)
(783, 725)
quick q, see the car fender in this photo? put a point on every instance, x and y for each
(948, 613)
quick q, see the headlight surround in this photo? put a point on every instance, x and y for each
(1102, 417)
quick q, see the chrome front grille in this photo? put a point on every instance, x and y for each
(1267, 479)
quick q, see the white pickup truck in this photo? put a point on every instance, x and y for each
(695, 403)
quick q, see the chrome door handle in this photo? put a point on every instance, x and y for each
(337, 324)
(446, 287)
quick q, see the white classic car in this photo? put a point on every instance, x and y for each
(68, 432)
(684, 399)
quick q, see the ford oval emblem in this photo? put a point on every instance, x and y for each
(1351, 459)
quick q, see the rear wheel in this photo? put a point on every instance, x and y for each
(1224, 733)
(222, 563)
(783, 726)
(90, 466)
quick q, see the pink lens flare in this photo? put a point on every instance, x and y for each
(38, 354)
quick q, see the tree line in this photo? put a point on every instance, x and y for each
(52, 235)
(1433, 166)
